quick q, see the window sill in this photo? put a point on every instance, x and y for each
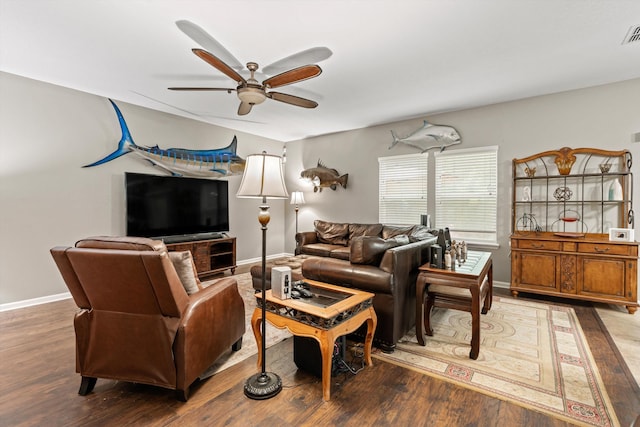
(478, 245)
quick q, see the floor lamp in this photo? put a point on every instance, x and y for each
(263, 178)
(297, 198)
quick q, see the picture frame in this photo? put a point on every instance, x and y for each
(621, 234)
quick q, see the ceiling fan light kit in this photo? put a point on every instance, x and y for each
(251, 95)
(250, 91)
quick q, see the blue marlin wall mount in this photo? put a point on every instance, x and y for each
(215, 163)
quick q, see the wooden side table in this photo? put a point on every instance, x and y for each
(464, 287)
(333, 311)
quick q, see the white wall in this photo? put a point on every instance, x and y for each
(602, 117)
(47, 132)
(46, 199)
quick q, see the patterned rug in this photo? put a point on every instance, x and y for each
(531, 354)
(249, 346)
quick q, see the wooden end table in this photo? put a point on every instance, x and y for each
(333, 311)
(462, 287)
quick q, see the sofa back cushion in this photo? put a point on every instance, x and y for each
(332, 232)
(389, 231)
(358, 230)
(370, 249)
(422, 232)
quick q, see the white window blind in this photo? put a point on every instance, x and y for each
(466, 192)
(402, 188)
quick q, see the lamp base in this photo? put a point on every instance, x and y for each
(263, 385)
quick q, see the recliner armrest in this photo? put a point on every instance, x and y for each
(211, 323)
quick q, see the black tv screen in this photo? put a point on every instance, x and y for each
(162, 206)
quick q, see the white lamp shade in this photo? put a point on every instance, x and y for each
(263, 177)
(297, 198)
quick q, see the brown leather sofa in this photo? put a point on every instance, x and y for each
(377, 258)
(137, 322)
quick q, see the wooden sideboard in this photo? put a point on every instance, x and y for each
(210, 256)
(589, 268)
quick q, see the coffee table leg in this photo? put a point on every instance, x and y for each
(372, 322)
(326, 341)
(256, 321)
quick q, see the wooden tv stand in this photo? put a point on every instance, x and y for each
(212, 256)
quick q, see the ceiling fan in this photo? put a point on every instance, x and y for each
(292, 69)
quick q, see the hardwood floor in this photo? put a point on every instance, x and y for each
(38, 386)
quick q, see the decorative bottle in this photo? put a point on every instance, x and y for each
(615, 190)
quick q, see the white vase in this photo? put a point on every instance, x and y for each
(615, 190)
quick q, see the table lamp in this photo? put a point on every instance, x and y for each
(263, 178)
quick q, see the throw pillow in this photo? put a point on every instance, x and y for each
(183, 263)
(333, 233)
(371, 249)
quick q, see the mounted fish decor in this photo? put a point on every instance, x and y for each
(179, 161)
(427, 135)
(321, 176)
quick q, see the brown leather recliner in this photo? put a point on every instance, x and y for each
(137, 323)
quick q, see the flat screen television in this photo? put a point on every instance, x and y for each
(171, 207)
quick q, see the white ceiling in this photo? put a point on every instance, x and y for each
(392, 59)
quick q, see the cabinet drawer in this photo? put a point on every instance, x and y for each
(540, 244)
(604, 249)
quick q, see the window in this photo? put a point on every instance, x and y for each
(466, 193)
(402, 188)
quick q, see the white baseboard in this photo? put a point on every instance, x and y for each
(255, 260)
(66, 295)
(34, 301)
(504, 285)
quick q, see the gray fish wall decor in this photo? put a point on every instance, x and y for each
(428, 135)
(322, 176)
(215, 163)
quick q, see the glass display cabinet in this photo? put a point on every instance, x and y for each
(572, 226)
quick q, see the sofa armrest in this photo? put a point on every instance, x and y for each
(412, 255)
(306, 238)
(211, 323)
(403, 261)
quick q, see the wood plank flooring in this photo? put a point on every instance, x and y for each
(38, 386)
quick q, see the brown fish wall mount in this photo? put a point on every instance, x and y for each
(322, 176)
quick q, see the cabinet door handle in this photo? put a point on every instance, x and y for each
(601, 250)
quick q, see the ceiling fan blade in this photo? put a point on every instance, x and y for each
(309, 56)
(228, 90)
(204, 39)
(244, 108)
(293, 100)
(293, 76)
(220, 65)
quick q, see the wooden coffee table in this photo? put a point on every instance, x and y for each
(465, 287)
(332, 312)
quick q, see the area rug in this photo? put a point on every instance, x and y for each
(532, 354)
(249, 346)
